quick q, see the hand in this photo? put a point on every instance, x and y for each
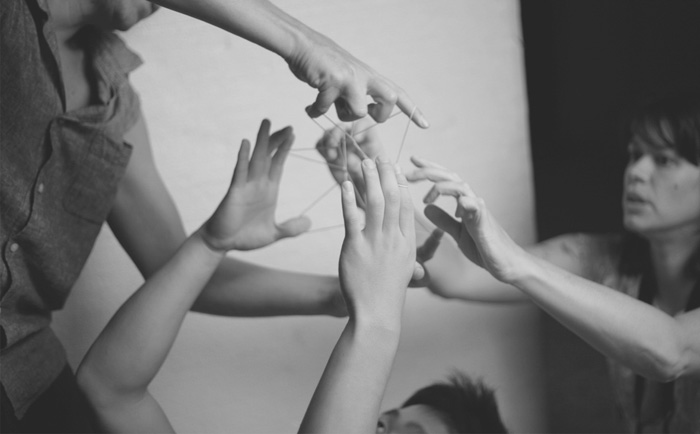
(342, 79)
(478, 234)
(424, 253)
(336, 143)
(245, 218)
(376, 262)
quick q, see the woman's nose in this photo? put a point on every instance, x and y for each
(640, 169)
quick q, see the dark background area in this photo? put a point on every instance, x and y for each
(588, 63)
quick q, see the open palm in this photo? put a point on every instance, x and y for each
(245, 218)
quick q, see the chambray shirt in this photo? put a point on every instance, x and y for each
(600, 257)
(58, 178)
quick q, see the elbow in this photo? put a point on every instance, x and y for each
(91, 385)
(99, 392)
(668, 367)
(672, 370)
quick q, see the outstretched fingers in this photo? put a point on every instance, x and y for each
(277, 164)
(374, 197)
(240, 173)
(406, 217)
(456, 189)
(390, 191)
(351, 214)
(386, 95)
(259, 159)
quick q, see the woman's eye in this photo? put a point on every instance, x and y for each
(663, 160)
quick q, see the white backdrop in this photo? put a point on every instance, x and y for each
(204, 90)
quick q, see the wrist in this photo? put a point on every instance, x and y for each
(333, 301)
(378, 320)
(521, 269)
(385, 332)
(211, 244)
(296, 41)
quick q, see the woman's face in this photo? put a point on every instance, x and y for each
(661, 190)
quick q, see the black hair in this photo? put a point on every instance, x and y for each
(467, 406)
(671, 121)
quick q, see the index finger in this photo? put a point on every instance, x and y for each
(386, 94)
(406, 218)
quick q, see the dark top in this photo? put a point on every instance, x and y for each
(58, 178)
(678, 409)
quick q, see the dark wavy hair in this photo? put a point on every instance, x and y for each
(467, 406)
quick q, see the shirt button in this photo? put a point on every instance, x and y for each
(40, 189)
(14, 247)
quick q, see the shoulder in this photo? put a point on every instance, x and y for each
(589, 255)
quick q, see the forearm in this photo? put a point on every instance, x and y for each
(258, 21)
(349, 394)
(644, 338)
(241, 288)
(132, 347)
(455, 277)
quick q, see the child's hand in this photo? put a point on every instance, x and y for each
(245, 218)
(376, 261)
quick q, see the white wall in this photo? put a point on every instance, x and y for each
(204, 90)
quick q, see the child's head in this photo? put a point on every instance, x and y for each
(458, 405)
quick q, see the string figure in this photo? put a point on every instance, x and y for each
(348, 136)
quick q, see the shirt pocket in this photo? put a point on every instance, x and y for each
(91, 194)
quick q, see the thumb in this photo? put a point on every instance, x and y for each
(418, 272)
(443, 220)
(293, 227)
(430, 246)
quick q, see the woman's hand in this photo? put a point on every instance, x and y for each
(478, 234)
(343, 80)
(376, 262)
(245, 218)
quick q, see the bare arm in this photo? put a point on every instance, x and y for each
(130, 351)
(146, 222)
(376, 264)
(120, 365)
(313, 58)
(647, 340)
